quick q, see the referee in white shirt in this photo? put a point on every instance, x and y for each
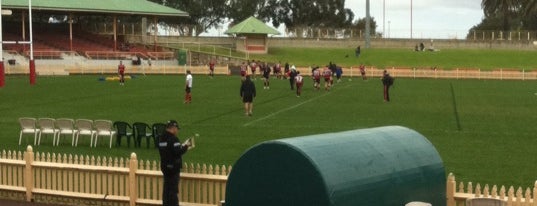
(188, 87)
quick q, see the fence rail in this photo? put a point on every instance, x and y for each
(129, 181)
(458, 195)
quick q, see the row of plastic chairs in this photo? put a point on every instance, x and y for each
(64, 126)
(139, 131)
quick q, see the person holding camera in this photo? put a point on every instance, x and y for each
(171, 161)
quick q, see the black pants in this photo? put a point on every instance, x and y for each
(292, 81)
(171, 190)
(386, 93)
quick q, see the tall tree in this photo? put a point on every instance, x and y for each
(204, 14)
(293, 13)
(506, 9)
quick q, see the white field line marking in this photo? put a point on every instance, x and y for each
(290, 108)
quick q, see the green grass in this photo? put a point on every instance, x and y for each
(495, 143)
(382, 58)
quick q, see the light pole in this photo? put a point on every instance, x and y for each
(367, 25)
(410, 19)
(389, 28)
(384, 17)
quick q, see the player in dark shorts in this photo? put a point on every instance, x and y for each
(387, 82)
(316, 78)
(248, 94)
(299, 82)
(266, 75)
(121, 73)
(278, 70)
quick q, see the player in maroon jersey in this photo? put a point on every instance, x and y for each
(121, 73)
(244, 69)
(299, 82)
(278, 70)
(212, 63)
(327, 74)
(253, 68)
(316, 78)
(362, 71)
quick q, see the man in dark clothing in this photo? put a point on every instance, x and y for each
(171, 152)
(248, 94)
(387, 81)
(292, 75)
(358, 51)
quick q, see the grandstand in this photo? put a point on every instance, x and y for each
(67, 42)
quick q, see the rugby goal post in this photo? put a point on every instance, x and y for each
(30, 42)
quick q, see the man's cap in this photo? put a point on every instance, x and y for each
(172, 123)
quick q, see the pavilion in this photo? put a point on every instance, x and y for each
(252, 35)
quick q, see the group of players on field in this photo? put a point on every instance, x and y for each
(295, 78)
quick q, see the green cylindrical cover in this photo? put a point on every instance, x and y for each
(380, 166)
(182, 57)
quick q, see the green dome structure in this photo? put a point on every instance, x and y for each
(377, 167)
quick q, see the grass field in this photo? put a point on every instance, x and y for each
(381, 58)
(484, 130)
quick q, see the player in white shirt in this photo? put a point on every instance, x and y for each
(188, 87)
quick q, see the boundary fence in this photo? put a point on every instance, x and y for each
(136, 182)
(405, 72)
(457, 196)
(117, 180)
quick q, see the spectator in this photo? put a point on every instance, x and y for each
(358, 51)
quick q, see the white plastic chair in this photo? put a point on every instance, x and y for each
(84, 127)
(46, 126)
(485, 202)
(28, 127)
(65, 126)
(104, 128)
(418, 204)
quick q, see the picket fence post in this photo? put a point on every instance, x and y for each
(28, 175)
(450, 190)
(133, 167)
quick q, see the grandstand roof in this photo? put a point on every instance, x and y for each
(138, 7)
(252, 26)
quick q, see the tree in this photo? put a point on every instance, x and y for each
(360, 25)
(506, 9)
(204, 14)
(293, 13)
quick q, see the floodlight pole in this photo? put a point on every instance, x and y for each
(32, 62)
(367, 25)
(2, 71)
(384, 18)
(411, 15)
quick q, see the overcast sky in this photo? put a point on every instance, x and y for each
(439, 19)
(431, 18)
